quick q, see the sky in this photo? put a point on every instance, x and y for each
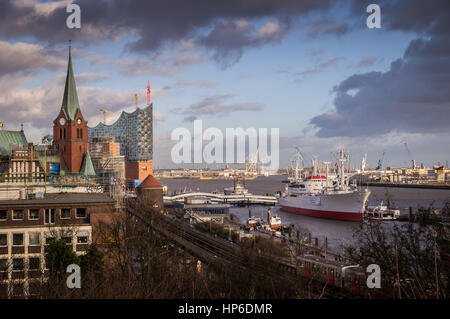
(313, 69)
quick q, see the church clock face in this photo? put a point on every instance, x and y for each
(79, 121)
(62, 121)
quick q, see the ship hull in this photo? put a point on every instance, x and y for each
(347, 206)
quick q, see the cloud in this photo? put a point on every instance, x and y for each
(322, 26)
(27, 58)
(366, 61)
(39, 105)
(161, 64)
(151, 24)
(318, 68)
(213, 105)
(411, 97)
(229, 38)
(204, 84)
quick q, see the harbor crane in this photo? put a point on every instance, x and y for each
(104, 115)
(380, 162)
(413, 162)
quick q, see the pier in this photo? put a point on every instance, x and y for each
(238, 199)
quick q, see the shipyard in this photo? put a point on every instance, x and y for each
(224, 159)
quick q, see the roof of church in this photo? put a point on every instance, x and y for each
(70, 105)
(87, 168)
(150, 182)
(11, 137)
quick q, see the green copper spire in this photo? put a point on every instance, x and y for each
(87, 168)
(70, 104)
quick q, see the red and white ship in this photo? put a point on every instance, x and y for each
(322, 196)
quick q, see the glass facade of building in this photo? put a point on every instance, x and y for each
(134, 132)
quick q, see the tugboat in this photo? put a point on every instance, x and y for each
(237, 189)
(382, 212)
(273, 220)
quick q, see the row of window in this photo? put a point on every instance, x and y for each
(34, 214)
(18, 264)
(34, 238)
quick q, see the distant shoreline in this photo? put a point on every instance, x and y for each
(423, 186)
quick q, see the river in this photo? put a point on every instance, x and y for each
(337, 232)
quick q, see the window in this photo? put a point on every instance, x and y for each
(3, 264)
(82, 237)
(33, 214)
(18, 264)
(66, 213)
(60, 133)
(81, 213)
(18, 239)
(34, 263)
(81, 133)
(3, 240)
(3, 214)
(144, 168)
(17, 214)
(49, 240)
(66, 236)
(34, 239)
(64, 133)
(49, 216)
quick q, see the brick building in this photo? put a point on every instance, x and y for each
(27, 226)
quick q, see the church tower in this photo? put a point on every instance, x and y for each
(70, 131)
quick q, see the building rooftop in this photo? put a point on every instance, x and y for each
(11, 137)
(150, 182)
(70, 105)
(65, 198)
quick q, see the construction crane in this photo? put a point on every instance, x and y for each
(380, 161)
(104, 115)
(413, 162)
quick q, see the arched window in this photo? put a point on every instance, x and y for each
(64, 133)
(60, 132)
(81, 133)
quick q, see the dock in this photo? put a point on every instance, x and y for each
(235, 199)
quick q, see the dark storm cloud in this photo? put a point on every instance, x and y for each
(413, 95)
(153, 23)
(229, 37)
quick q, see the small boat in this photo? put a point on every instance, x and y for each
(254, 221)
(237, 189)
(381, 212)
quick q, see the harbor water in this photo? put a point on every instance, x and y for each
(337, 232)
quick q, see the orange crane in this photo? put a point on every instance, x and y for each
(104, 115)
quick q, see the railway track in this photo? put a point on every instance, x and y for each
(213, 250)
